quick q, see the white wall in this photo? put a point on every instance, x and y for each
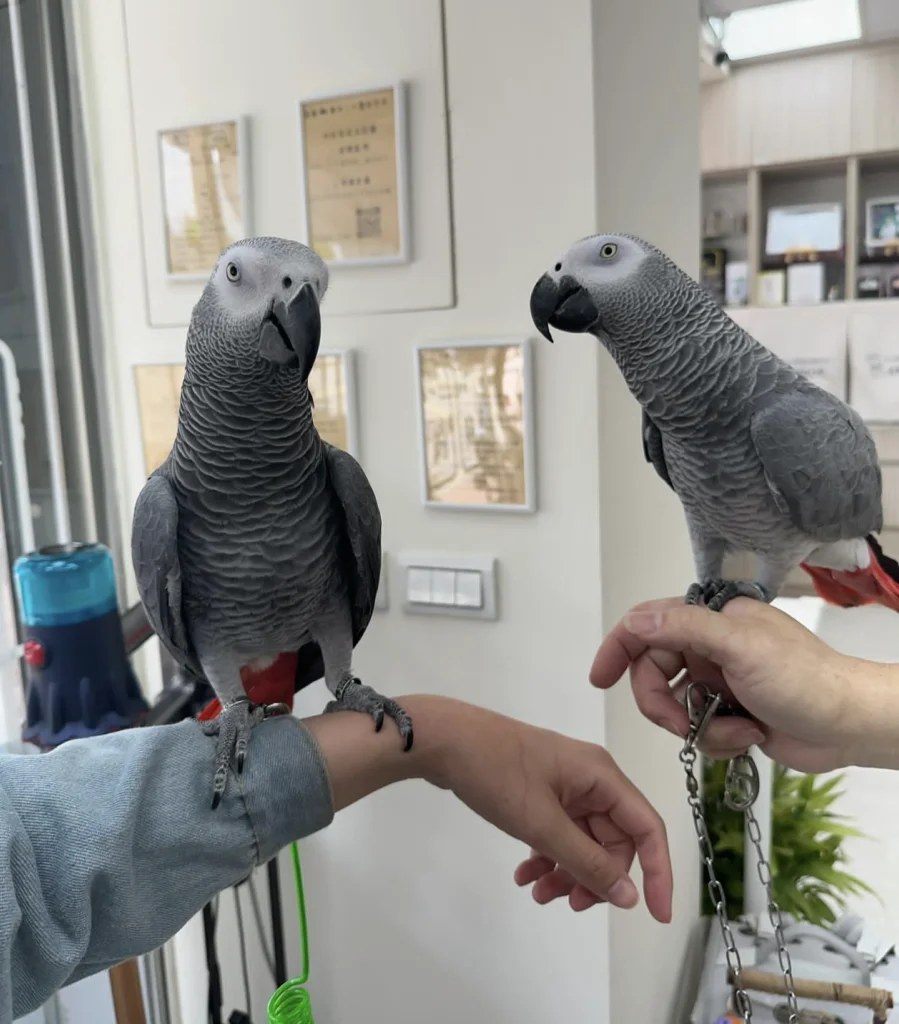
(523, 126)
(647, 126)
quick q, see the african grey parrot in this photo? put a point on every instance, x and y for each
(256, 538)
(762, 460)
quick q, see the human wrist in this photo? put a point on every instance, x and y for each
(360, 760)
(870, 718)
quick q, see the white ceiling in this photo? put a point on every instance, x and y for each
(880, 18)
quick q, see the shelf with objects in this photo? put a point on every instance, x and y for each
(725, 238)
(822, 232)
(877, 276)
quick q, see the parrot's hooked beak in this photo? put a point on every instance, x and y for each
(291, 331)
(563, 304)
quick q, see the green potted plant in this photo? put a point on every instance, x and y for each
(807, 855)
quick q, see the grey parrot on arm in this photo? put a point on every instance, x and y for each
(255, 538)
(763, 461)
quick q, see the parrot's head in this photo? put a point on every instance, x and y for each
(259, 310)
(603, 285)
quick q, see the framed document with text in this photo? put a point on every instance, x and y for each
(354, 167)
(205, 196)
(476, 425)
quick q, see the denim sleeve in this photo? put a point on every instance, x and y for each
(108, 846)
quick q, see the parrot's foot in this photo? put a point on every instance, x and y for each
(715, 594)
(351, 695)
(233, 727)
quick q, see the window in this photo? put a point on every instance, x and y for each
(790, 25)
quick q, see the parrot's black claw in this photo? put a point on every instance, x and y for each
(351, 695)
(233, 727)
(715, 594)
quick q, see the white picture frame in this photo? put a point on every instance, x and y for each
(809, 227)
(528, 486)
(245, 228)
(401, 148)
(872, 239)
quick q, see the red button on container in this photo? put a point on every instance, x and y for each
(35, 654)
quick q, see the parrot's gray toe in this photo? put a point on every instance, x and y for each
(233, 727)
(695, 594)
(354, 696)
(718, 593)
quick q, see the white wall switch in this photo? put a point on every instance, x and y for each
(435, 583)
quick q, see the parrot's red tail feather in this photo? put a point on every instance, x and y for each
(877, 584)
(273, 685)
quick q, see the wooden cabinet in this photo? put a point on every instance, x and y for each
(725, 125)
(875, 112)
(801, 110)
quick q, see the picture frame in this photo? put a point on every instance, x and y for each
(334, 222)
(462, 467)
(157, 392)
(806, 228)
(881, 216)
(337, 396)
(195, 261)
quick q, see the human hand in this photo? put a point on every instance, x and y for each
(813, 709)
(583, 819)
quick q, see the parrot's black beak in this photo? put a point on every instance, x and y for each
(563, 304)
(292, 331)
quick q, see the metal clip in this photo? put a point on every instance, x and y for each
(699, 716)
(741, 783)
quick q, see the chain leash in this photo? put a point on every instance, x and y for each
(741, 789)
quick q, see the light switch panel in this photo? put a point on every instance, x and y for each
(439, 583)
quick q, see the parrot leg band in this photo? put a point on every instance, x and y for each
(715, 594)
(352, 695)
(233, 727)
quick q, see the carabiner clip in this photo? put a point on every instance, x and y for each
(699, 716)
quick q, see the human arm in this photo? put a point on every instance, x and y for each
(109, 846)
(812, 708)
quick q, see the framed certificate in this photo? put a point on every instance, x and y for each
(476, 425)
(353, 151)
(332, 384)
(204, 176)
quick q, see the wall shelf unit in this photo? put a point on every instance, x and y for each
(736, 206)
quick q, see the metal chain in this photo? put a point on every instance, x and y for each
(741, 790)
(774, 914)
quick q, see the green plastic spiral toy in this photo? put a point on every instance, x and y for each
(290, 1004)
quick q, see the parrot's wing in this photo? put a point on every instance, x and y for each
(821, 464)
(652, 448)
(362, 528)
(154, 552)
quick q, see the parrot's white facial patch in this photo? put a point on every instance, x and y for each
(601, 261)
(247, 278)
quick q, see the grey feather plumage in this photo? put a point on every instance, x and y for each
(255, 537)
(763, 460)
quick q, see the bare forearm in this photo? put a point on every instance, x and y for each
(872, 713)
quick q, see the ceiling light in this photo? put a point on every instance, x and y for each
(790, 25)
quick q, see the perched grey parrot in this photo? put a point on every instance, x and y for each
(255, 538)
(763, 461)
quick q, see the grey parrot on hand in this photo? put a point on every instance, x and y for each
(256, 538)
(763, 461)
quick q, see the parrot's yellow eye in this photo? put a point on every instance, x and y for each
(232, 272)
(608, 250)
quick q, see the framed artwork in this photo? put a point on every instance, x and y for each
(882, 223)
(816, 227)
(476, 425)
(332, 385)
(354, 160)
(204, 176)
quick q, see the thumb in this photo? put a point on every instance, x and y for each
(685, 627)
(585, 860)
